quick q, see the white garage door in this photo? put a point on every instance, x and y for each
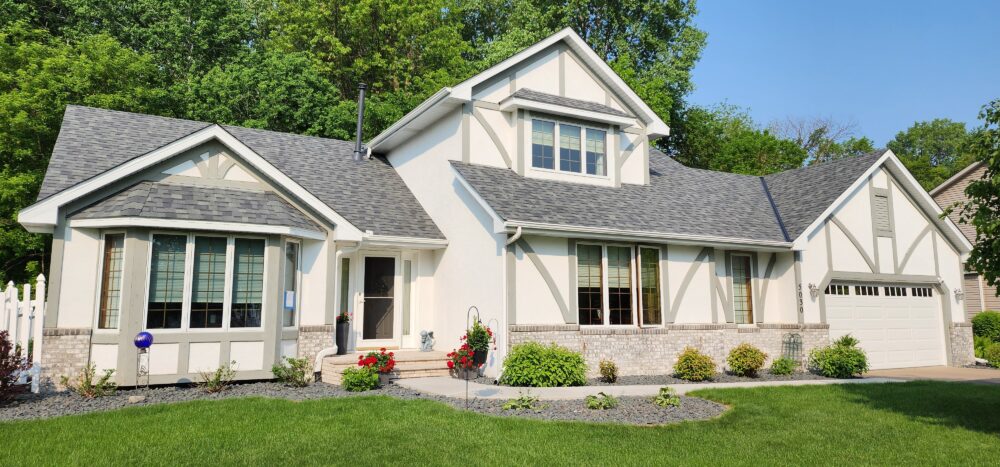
(899, 326)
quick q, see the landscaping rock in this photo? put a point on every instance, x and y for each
(136, 399)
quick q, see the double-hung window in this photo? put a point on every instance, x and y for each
(205, 281)
(612, 285)
(580, 149)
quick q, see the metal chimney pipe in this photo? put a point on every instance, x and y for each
(359, 148)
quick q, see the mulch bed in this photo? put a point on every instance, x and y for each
(630, 410)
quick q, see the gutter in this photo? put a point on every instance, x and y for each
(538, 228)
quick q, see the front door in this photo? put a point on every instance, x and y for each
(379, 315)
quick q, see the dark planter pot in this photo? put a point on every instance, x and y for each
(342, 330)
(479, 357)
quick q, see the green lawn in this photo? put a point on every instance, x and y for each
(912, 423)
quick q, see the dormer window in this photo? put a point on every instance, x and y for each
(575, 156)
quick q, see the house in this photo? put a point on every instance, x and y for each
(530, 191)
(979, 296)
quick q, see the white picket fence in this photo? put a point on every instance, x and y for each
(23, 319)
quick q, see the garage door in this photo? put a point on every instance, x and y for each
(899, 325)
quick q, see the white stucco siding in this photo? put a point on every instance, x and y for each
(81, 272)
(580, 83)
(536, 302)
(483, 149)
(316, 278)
(540, 73)
(693, 303)
(815, 269)
(636, 166)
(779, 302)
(950, 271)
(469, 270)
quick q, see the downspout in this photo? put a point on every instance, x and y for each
(503, 316)
(323, 353)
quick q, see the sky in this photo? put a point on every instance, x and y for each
(879, 64)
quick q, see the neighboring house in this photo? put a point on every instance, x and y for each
(979, 296)
(530, 191)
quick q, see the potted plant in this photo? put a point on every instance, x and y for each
(343, 326)
(382, 362)
(479, 339)
(461, 361)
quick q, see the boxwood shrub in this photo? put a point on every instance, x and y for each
(693, 365)
(783, 366)
(987, 324)
(746, 360)
(542, 366)
(843, 359)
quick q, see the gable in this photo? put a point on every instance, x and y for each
(952, 192)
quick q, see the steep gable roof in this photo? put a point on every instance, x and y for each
(368, 194)
(801, 195)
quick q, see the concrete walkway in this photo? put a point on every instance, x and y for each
(453, 387)
(942, 373)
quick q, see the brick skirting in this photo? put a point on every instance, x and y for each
(648, 351)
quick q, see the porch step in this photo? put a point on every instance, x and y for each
(409, 364)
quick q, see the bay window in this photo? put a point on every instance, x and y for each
(205, 281)
(581, 150)
(590, 277)
(620, 284)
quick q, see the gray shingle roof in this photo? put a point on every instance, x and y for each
(679, 200)
(369, 194)
(536, 96)
(801, 195)
(157, 200)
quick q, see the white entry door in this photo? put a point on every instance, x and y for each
(899, 326)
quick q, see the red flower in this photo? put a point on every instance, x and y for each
(451, 364)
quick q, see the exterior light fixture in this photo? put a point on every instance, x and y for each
(959, 294)
(813, 290)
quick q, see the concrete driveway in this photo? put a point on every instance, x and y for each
(941, 373)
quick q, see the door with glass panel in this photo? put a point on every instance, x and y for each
(380, 320)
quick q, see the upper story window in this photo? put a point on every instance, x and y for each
(581, 149)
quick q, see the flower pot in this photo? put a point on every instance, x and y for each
(479, 357)
(342, 330)
(383, 379)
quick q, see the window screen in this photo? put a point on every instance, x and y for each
(543, 144)
(569, 148)
(248, 283)
(619, 285)
(596, 152)
(590, 298)
(649, 278)
(111, 281)
(166, 282)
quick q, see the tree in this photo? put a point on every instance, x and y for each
(933, 151)
(982, 209)
(39, 76)
(726, 138)
(823, 139)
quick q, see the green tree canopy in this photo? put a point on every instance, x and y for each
(933, 151)
(983, 207)
(725, 137)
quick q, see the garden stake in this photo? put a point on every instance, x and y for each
(468, 316)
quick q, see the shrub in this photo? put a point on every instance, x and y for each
(356, 379)
(523, 402)
(11, 366)
(537, 365)
(746, 360)
(979, 345)
(667, 398)
(296, 372)
(601, 401)
(218, 380)
(609, 371)
(380, 361)
(987, 324)
(693, 365)
(88, 385)
(843, 359)
(992, 355)
(783, 366)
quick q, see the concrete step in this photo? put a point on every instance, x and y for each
(409, 364)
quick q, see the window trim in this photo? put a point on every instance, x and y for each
(606, 290)
(100, 282)
(189, 282)
(557, 153)
(752, 275)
